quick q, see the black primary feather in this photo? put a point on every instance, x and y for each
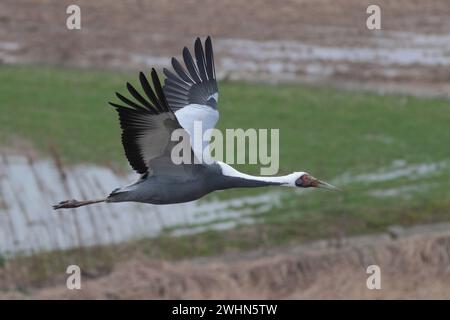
(137, 118)
(128, 101)
(147, 89)
(198, 84)
(200, 57)
(210, 59)
(189, 62)
(138, 96)
(180, 71)
(159, 92)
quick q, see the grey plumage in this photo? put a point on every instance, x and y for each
(161, 189)
(148, 122)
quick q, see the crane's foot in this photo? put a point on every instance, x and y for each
(67, 204)
(75, 203)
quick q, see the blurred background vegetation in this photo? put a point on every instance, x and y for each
(388, 149)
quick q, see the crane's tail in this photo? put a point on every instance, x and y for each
(75, 203)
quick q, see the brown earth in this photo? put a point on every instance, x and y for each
(414, 263)
(159, 26)
(121, 34)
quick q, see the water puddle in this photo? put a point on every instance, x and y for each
(28, 188)
(389, 55)
(7, 51)
(27, 223)
(398, 169)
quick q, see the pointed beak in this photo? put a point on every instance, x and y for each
(325, 185)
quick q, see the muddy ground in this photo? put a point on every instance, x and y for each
(414, 263)
(314, 41)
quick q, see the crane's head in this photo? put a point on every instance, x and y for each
(305, 180)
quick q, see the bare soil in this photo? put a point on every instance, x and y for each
(134, 34)
(414, 263)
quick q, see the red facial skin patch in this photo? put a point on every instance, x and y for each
(305, 179)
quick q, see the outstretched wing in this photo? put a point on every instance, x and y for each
(192, 93)
(147, 125)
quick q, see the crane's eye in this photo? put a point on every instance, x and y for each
(304, 181)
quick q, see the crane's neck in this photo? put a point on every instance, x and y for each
(232, 178)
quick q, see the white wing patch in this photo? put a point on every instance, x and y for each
(215, 96)
(208, 118)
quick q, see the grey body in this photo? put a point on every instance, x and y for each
(162, 189)
(148, 121)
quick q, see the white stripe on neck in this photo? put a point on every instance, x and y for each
(287, 180)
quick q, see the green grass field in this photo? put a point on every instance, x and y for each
(326, 132)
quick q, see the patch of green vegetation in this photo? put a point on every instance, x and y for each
(62, 108)
(322, 130)
(326, 132)
(2, 260)
(49, 268)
